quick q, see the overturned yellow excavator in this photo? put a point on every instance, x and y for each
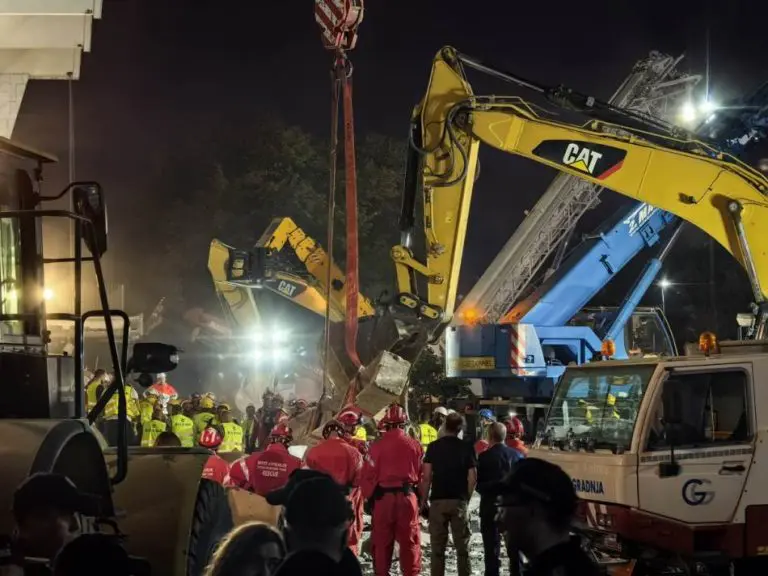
(242, 277)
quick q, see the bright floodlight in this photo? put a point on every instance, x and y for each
(257, 354)
(707, 107)
(688, 112)
(257, 336)
(664, 283)
(47, 294)
(279, 354)
(280, 335)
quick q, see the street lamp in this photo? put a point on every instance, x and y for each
(664, 284)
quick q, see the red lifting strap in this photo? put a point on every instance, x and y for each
(352, 283)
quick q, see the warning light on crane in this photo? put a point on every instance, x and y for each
(470, 316)
(708, 343)
(608, 348)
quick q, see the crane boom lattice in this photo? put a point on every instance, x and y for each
(654, 87)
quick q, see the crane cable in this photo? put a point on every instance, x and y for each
(333, 156)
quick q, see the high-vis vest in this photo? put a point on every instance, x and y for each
(90, 394)
(428, 435)
(233, 438)
(132, 408)
(145, 409)
(184, 428)
(150, 431)
(201, 420)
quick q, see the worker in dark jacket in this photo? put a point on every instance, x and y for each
(492, 466)
(536, 507)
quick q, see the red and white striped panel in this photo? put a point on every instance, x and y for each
(517, 348)
(329, 15)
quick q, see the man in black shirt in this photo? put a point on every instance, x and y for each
(450, 468)
(536, 504)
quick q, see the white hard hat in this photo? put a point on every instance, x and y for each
(441, 410)
(161, 376)
(451, 411)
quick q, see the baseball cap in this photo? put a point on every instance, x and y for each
(545, 482)
(318, 503)
(45, 490)
(280, 496)
(93, 554)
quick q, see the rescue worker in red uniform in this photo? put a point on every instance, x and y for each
(391, 478)
(263, 472)
(350, 418)
(337, 458)
(216, 468)
(515, 433)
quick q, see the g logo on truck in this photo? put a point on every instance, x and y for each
(694, 495)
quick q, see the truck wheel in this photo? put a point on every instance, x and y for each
(212, 521)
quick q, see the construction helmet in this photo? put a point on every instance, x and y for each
(210, 438)
(223, 406)
(151, 398)
(487, 414)
(299, 404)
(281, 433)
(514, 427)
(395, 415)
(441, 410)
(206, 403)
(174, 402)
(350, 417)
(210, 395)
(332, 426)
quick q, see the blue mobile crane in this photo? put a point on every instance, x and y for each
(526, 355)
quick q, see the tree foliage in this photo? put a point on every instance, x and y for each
(234, 189)
(428, 378)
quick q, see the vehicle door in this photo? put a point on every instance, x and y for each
(713, 444)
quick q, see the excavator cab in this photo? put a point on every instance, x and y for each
(43, 422)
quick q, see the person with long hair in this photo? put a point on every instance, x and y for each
(252, 549)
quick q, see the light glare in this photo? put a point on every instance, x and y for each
(664, 283)
(47, 294)
(688, 112)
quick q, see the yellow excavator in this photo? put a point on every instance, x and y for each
(151, 498)
(236, 274)
(635, 155)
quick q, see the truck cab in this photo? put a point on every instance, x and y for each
(665, 453)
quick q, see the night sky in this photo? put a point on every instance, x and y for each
(163, 71)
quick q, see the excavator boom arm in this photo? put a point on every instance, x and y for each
(674, 172)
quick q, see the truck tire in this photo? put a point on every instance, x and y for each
(212, 521)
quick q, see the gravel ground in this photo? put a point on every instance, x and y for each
(475, 551)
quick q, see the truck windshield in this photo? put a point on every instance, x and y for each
(597, 407)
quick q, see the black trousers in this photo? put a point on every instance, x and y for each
(492, 546)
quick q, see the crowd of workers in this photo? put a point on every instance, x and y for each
(399, 472)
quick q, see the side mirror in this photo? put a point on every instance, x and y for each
(89, 203)
(153, 358)
(669, 469)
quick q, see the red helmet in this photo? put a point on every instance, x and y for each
(349, 417)
(281, 433)
(395, 415)
(210, 438)
(333, 426)
(514, 427)
(382, 424)
(282, 416)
